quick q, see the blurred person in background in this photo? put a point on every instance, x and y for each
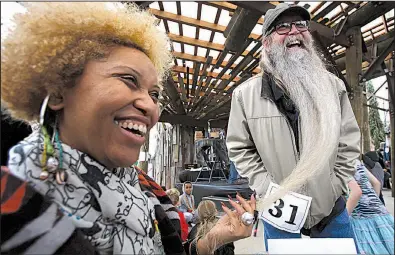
(372, 223)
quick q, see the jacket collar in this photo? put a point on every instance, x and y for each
(270, 89)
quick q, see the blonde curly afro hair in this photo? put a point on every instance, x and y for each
(52, 41)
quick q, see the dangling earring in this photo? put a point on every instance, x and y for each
(49, 161)
(61, 175)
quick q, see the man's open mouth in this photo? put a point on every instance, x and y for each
(294, 43)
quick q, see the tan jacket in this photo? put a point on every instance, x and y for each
(261, 144)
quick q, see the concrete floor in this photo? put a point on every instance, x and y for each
(255, 245)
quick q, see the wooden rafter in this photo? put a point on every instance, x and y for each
(199, 43)
(216, 20)
(189, 57)
(385, 23)
(312, 13)
(199, 14)
(180, 69)
(192, 22)
(205, 70)
(223, 5)
(325, 11)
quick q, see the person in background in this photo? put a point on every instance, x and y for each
(377, 171)
(293, 125)
(174, 196)
(187, 200)
(372, 223)
(377, 157)
(207, 217)
(233, 174)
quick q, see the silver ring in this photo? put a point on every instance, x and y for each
(247, 218)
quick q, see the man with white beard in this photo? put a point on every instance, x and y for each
(293, 125)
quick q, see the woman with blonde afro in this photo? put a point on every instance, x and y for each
(90, 74)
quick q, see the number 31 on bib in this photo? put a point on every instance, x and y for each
(287, 213)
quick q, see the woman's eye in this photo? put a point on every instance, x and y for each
(155, 95)
(129, 78)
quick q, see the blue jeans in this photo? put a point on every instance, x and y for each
(233, 174)
(339, 227)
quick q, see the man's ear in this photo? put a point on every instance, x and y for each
(56, 102)
(264, 43)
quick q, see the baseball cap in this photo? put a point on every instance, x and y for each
(272, 14)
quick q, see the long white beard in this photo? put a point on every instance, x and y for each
(305, 79)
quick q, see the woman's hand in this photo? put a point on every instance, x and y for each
(229, 228)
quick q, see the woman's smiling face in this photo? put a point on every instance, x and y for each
(111, 107)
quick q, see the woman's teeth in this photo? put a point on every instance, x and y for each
(140, 129)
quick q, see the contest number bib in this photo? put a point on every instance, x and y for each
(287, 213)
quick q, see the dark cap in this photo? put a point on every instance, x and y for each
(272, 14)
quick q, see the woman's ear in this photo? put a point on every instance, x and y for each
(56, 102)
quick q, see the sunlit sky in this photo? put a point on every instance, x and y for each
(188, 9)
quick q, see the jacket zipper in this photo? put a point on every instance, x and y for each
(296, 153)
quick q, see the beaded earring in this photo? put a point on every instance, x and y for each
(51, 160)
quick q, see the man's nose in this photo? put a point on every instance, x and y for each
(294, 30)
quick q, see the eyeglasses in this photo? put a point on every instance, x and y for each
(286, 27)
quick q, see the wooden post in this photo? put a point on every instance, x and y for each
(353, 72)
(392, 139)
(391, 96)
(175, 159)
(168, 154)
(188, 145)
(365, 130)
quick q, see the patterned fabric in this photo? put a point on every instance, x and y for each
(32, 225)
(14, 192)
(108, 205)
(166, 214)
(369, 204)
(184, 226)
(372, 224)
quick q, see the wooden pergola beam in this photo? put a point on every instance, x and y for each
(192, 22)
(382, 43)
(180, 69)
(196, 42)
(173, 94)
(377, 62)
(317, 8)
(325, 11)
(368, 13)
(190, 57)
(183, 120)
(191, 121)
(223, 5)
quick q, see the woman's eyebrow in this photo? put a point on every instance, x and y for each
(124, 68)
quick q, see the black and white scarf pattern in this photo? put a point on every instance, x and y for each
(108, 205)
